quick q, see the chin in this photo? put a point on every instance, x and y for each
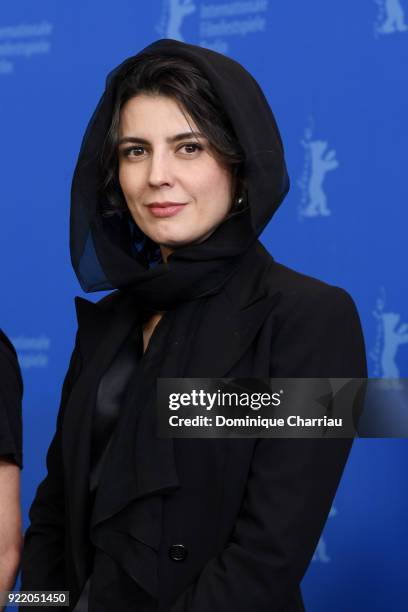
(174, 239)
(173, 243)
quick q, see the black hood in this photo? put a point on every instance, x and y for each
(100, 249)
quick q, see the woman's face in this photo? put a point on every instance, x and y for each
(176, 191)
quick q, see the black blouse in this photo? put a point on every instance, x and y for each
(129, 365)
(110, 395)
(11, 391)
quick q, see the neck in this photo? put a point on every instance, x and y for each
(165, 252)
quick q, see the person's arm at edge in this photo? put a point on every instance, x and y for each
(43, 553)
(11, 537)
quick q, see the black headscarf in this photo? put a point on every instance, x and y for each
(11, 389)
(192, 271)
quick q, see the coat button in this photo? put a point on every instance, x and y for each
(177, 552)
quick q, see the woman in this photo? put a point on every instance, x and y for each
(11, 389)
(180, 169)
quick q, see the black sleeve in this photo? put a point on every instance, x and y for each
(11, 392)
(292, 482)
(43, 561)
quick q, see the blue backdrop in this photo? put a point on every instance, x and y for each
(335, 75)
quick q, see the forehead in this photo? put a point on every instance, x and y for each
(153, 114)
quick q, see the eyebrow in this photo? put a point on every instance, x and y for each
(169, 140)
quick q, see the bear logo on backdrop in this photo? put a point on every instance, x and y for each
(390, 17)
(391, 335)
(214, 24)
(174, 13)
(318, 161)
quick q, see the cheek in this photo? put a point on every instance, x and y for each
(215, 189)
(130, 182)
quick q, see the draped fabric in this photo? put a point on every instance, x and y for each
(131, 469)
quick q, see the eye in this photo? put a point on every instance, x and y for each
(138, 151)
(127, 152)
(191, 145)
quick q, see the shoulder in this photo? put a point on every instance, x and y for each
(91, 315)
(7, 349)
(260, 275)
(93, 319)
(317, 329)
(100, 323)
(106, 304)
(110, 301)
(9, 368)
(5, 342)
(300, 292)
(11, 391)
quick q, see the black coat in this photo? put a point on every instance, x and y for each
(249, 512)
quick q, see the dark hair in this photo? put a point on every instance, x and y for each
(184, 82)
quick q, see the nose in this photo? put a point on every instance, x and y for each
(160, 171)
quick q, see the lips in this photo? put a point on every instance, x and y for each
(165, 209)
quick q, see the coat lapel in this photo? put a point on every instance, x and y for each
(234, 317)
(100, 335)
(232, 334)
